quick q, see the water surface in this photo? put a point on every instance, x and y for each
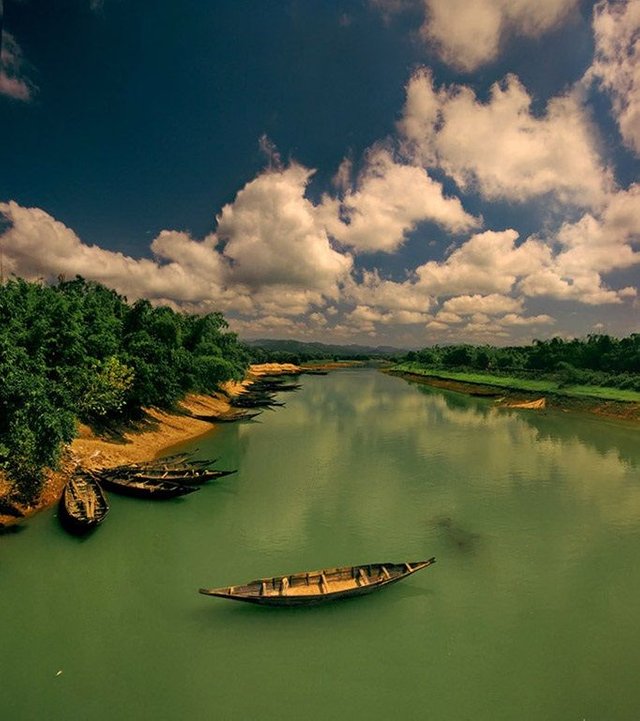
(530, 612)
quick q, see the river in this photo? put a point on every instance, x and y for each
(529, 614)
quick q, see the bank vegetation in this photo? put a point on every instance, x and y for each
(78, 353)
(596, 367)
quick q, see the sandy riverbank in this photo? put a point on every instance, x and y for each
(144, 440)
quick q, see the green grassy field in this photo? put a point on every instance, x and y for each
(546, 385)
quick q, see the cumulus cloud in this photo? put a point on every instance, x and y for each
(270, 254)
(500, 147)
(13, 79)
(38, 246)
(487, 263)
(493, 304)
(387, 202)
(590, 248)
(378, 292)
(273, 235)
(616, 29)
(467, 35)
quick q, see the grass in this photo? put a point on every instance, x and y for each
(543, 385)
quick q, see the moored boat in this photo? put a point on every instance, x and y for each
(230, 417)
(83, 505)
(313, 587)
(186, 478)
(154, 488)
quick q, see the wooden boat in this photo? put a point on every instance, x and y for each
(272, 387)
(186, 478)
(230, 417)
(240, 402)
(149, 488)
(314, 587)
(83, 505)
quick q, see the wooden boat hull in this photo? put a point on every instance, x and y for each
(193, 478)
(83, 505)
(317, 587)
(230, 417)
(156, 490)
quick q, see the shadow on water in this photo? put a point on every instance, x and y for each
(12, 529)
(455, 536)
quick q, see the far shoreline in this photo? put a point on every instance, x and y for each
(628, 411)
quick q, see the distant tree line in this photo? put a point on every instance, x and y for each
(595, 360)
(269, 355)
(79, 351)
(295, 351)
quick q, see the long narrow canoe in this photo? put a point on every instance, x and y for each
(187, 478)
(230, 417)
(313, 587)
(83, 505)
(149, 488)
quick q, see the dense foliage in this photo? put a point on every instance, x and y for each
(595, 360)
(78, 350)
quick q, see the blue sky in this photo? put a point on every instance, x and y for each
(391, 171)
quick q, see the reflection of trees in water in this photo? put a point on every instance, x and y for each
(605, 437)
(600, 434)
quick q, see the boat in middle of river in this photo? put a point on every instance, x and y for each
(313, 587)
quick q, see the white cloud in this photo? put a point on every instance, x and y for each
(512, 319)
(389, 200)
(590, 248)
(13, 80)
(270, 254)
(36, 245)
(616, 28)
(500, 147)
(467, 34)
(387, 294)
(273, 235)
(488, 262)
(493, 304)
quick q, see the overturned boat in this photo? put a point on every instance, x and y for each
(83, 505)
(314, 587)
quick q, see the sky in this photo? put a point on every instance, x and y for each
(398, 172)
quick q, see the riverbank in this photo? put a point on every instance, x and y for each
(507, 397)
(143, 440)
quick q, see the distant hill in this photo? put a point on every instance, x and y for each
(323, 350)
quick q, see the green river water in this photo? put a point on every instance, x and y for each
(530, 613)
